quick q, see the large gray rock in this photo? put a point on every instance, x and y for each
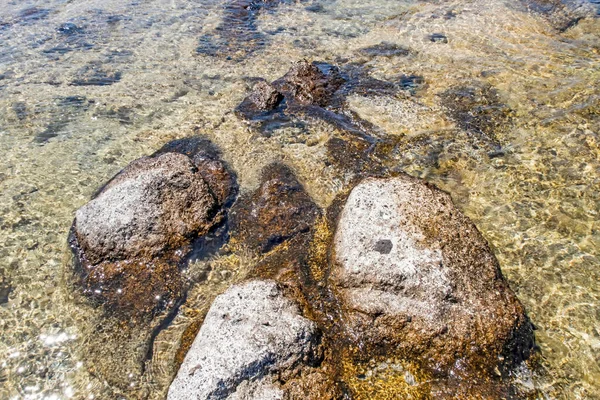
(152, 205)
(131, 239)
(250, 334)
(417, 279)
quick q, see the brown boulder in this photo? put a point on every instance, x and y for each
(131, 238)
(277, 211)
(417, 280)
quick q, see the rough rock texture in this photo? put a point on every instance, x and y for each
(264, 97)
(311, 83)
(251, 337)
(417, 279)
(277, 211)
(130, 238)
(207, 159)
(312, 90)
(152, 205)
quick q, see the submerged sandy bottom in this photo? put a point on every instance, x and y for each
(537, 204)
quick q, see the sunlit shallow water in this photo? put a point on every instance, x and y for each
(88, 86)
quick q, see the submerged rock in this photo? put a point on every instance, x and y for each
(277, 211)
(153, 205)
(385, 49)
(417, 279)
(438, 38)
(253, 339)
(131, 236)
(95, 74)
(564, 14)
(264, 97)
(478, 109)
(237, 36)
(5, 287)
(317, 90)
(311, 83)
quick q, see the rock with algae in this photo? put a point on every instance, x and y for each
(416, 279)
(315, 90)
(279, 210)
(252, 339)
(409, 298)
(131, 237)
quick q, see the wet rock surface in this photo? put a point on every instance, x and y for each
(277, 211)
(408, 296)
(438, 38)
(131, 238)
(252, 341)
(317, 90)
(416, 278)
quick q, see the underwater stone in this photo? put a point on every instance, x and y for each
(251, 337)
(310, 83)
(438, 38)
(33, 14)
(385, 49)
(95, 75)
(264, 97)
(237, 36)
(477, 108)
(317, 90)
(69, 28)
(131, 236)
(277, 211)
(5, 288)
(418, 280)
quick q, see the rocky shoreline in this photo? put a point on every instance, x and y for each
(389, 292)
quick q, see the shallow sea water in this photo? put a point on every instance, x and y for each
(86, 86)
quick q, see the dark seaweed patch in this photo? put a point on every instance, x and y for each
(124, 115)
(52, 130)
(315, 8)
(67, 109)
(385, 49)
(94, 75)
(5, 287)
(477, 109)
(33, 14)
(5, 290)
(20, 110)
(236, 37)
(438, 38)
(564, 14)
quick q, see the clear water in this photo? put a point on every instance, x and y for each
(78, 105)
